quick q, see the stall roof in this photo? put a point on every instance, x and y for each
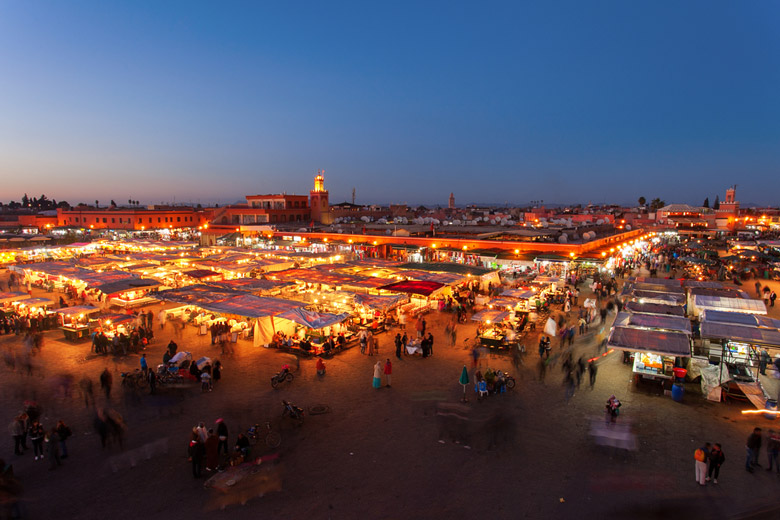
(491, 315)
(442, 278)
(447, 267)
(196, 294)
(704, 302)
(503, 302)
(127, 285)
(652, 287)
(653, 321)
(117, 318)
(740, 318)
(31, 302)
(702, 283)
(740, 333)
(723, 291)
(380, 302)
(520, 294)
(657, 342)
(200, 273)
(251, 284)
(655, 308)
(659, 297)
(422, 287)
(312, 319)
(7, 297)
(250, 306)
(668, 282)
(79, 309)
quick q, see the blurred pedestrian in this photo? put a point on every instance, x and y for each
(36, 434)
(717, 458)
(773, 450)
(53, 448)
(613, 409)
(64, 432)
(700, 457)
(388, 372)
(593, 370)
(17, 432)
(106, 380)
(144, 365)
(398, 346)
(752, 447)
(222, 435)
(378, 370)
(152, 382)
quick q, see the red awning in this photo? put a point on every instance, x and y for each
(423, 287)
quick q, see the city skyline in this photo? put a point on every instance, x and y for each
(507, 104)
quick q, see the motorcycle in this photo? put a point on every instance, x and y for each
(293, 411)
(282, 376)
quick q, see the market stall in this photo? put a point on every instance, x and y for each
(655, 352)
(77, 322)
(494, 330)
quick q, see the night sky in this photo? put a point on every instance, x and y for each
(499, 102)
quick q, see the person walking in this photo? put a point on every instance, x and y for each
(700, 456)
(717, 458)
(378, 370)
(773, 450)
(398, 346)
(162, 316)
(430, 343)
(222, 435)
(152, 382)
(144, 365)
(388, 372)
(753, 446)
(196, 452)
(106, 379)
(36, 434)
(53, 448)
(64, 432)
(212, 451)
(17, 433)
(772, 298)
(613, 409)
(592, 370)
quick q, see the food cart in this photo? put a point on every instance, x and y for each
(655, 353)
(493, 332)
(76, 322)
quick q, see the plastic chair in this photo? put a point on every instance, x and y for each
(482, 388)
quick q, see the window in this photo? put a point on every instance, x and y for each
(104, 220)
(150, 220)
(159, 220)
(113, 220)
(178, 219)
(139, 220)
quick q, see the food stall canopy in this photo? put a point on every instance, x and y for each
(667, 282)
(653, 341)
(739, 318)
(442, 278)
(491, 315)
(703, 302)
(655, 308)
(659, 297)
(380, 302)
(36, 302)
(723, 292)
(313, 320)
(127, 285)
(80, 309)
(652, 287)
(706, 284)
(13, 296)
(504, 302)
(520, 294)
(653, 321)
(251, 284)
(250, 306)
(117, 319)
(547, 279)
(447, 267)
(421, 287)
(200, 273)
(196, 294)
(740, 333)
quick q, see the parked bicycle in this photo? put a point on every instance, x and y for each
(272, 438)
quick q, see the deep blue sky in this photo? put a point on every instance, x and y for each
(497, 101)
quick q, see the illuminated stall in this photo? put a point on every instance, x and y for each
(77, 322)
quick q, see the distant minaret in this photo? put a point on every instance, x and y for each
(318, 200)
(452, 201)
(353, 195)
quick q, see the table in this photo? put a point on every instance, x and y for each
(75, 333)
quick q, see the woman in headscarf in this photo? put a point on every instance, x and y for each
(378, 371)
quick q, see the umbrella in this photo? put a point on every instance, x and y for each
(464, 380)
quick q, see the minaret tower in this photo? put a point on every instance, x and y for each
(318, 200)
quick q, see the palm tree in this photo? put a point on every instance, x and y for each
(642, 201)
(97, 204)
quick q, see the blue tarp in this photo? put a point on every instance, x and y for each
(379, 302)
(313, 320)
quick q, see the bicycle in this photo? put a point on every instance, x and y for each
(272, 438)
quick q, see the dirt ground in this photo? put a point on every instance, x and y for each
(384, 453)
